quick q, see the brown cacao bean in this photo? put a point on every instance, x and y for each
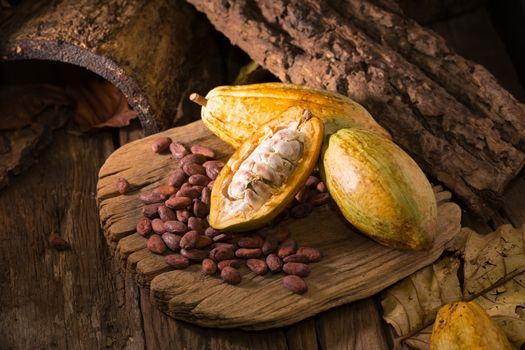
(193, 158)
(144, 227)
(286, 248)
(321, 187)
(178, 151)
(151, 198)
(302, 210)
(183, 215)
(200, 209)
(274, 263)
(193, 169)
(303, 195)
(209, 267)
(210, 232)
(206, 196)
(227, 245)
(222, 237)
(196, 224)
(319, 199)
(178, 202)
(298, 269)
(248, 253)
(166, 190)
(203, 242)
(171, 240)
(177, 261)
(213, 168)
(174, 226)
(151, 210)
(160, 144)
(296, 258)
(232, 262)
(210, 184)
(270, 245)
(188, 192)
(200, 180)
(166, 214)
(221, 253)
(203, 150)
(195, 254)
(158, 226)
(156, 245)
(189, 240)
(313, 254)
(257, 266)
(122, 185)
(250, 242)
(295, 284)
(198, 188)
(312, 181)
(231, 275)
(177, 178)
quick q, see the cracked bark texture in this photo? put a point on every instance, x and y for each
(449, 113)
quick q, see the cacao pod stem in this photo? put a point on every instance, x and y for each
(198, 99)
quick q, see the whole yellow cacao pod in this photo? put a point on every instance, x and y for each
(465, 325)
(380, 189)
(233, 113)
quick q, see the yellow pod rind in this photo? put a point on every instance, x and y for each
(465, 325)
(221, 219)
(380, 189)
(233, 113)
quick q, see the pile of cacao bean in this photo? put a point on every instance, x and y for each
(175, 222)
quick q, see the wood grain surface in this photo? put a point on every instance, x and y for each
(354, 267)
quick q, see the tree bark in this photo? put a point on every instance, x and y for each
(156, 52)
(449, 113)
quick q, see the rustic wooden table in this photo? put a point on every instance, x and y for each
(78, 299)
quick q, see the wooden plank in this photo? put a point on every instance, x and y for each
(356, 326)
(302, 335)
(69, 299)
(355, 266)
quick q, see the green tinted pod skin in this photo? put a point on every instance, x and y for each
(379, 189)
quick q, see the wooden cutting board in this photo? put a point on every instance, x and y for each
(353, 267)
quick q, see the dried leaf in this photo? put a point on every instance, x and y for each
(412, 302)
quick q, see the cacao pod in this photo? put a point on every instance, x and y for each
(233, 113)
(465, 325)
(263, 175)
(380, 189)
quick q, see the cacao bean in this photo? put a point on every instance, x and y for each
(189, 240)
(257, 266)
(193, 169)
(250, 242)
(144, 227)
(248, 253)
(302, 210)
(210, 232)
(321, 187)
(232, 263)
(281, 234)
(210, 184)
(195, 254)
(178, 202)
(193, 158)
(156, 245)
(160, 144)
(171, 240)
(270, 245)
(209, 267)
(319, 199)
(177, 178)
(303, 195)
(227, 245)
(313, 254)
(231, 275)
(213, 170)
(177, 261)
(286, 248)
(296, 258)
(166, 190)
(203, 242)
(298, 269)
(274, 263)
(312, 181)
(178, 151)
(166, 214)
(222, 253)
(151, 198)
(200, 209)
(213, 163)
(122, 185)
(200, 180)
(151, 210)
(295, 284)
(158, 226)
(203, 150)
(189, 192)
(185, 185)
(196, 224)
(183, 215)
(198, 188)
(174, 226)
(206, 196)
(221, 237)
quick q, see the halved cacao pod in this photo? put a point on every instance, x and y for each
(233, 113)
(465, 325)
(263, 175)
(380, 189)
